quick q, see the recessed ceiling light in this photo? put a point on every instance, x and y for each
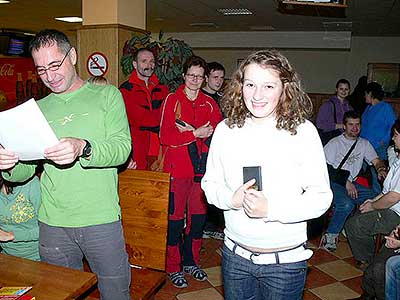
(4, 1)
(70, 19)
(203, 24)
(234, 11)
(262, 28)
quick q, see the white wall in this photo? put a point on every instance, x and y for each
(320, 69)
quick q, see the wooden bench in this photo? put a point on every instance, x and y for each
(144, 198)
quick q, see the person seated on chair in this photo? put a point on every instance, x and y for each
(378, 215)
(373, 281)
(348, 193)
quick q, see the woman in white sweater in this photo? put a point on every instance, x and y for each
(264, 255)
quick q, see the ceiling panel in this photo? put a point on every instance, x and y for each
(368, 17)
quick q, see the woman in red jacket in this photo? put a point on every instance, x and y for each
(187, 122)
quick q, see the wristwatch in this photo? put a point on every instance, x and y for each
(87, 150)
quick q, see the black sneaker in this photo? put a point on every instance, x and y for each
(196, 272)
(178, 279)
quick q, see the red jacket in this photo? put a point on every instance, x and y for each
(143, 107)
(186, 155)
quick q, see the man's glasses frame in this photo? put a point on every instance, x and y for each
(53, 68)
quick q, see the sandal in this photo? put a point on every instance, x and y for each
(178, 279)
(196, 272)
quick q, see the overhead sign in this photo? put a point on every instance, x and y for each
(97, 64)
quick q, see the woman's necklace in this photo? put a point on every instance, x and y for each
(190, 97)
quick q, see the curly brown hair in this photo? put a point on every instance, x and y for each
(294, 106)
(8, 186)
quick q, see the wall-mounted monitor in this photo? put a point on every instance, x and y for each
(14, 44)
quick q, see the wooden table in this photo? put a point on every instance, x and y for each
(48, 282)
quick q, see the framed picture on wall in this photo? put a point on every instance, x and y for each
(387, 75)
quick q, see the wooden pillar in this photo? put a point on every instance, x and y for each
(107, 25)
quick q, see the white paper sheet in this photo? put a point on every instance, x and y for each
(25, 131)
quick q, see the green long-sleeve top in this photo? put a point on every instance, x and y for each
(83, 193)
(18, 214)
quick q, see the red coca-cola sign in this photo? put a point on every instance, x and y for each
(18, 82)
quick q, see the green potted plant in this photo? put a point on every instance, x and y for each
(170, 55)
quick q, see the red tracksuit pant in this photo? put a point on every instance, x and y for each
(184, 245)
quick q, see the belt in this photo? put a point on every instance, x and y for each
(296, 254)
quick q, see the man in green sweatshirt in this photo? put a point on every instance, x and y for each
(79, 214)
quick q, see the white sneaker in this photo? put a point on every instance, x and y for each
(329, 241)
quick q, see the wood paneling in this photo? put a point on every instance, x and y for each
(144, 202)
(107, 39)
(318, 99)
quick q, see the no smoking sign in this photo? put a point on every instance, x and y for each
(97, 64)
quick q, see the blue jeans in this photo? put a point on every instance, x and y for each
(102, 245)
(392, 283)
(244, 280)
(343, 205)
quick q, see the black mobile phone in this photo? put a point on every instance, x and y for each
(180, 122)
(253, 172)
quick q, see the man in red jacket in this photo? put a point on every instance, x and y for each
(143, 96)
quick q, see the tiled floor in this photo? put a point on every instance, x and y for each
(330, 276)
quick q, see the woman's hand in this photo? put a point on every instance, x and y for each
(203, 131)
(6, 236)
(255, 204)
(238, 196)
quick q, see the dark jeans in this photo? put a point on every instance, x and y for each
(361, 229)
(343, 205)
(373, 282)
(102, 245)
(244, 280)
(392, 285)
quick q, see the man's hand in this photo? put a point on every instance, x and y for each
(66, 151)
(395, 232)
(382, 172)
(203, 131)
(132, 165)
(351, 190)
(255, 204)
(392, 242)
(238, 196)
(6, 236)
(366, 206)
(8, 159)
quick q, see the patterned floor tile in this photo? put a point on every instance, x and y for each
(308, 296)
(317, 278)
(321, 256)
(334, 291)
(330, 276)
(206, 294)
(214, 276)
(343, 250)
(354, 284)
(339, 270)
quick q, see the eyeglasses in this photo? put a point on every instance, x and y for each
(53, 67)
(193, 76)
